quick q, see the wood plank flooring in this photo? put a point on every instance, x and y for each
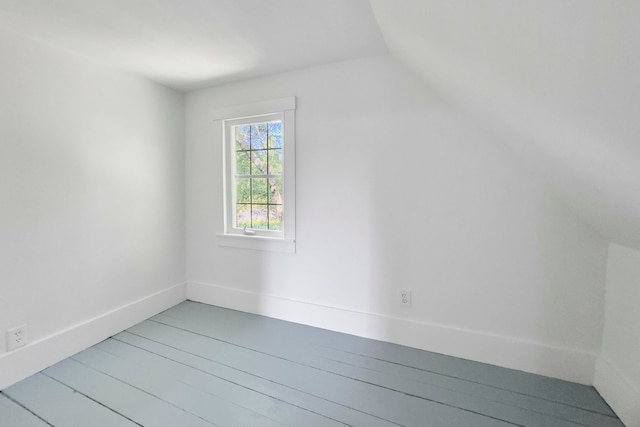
(199, 365)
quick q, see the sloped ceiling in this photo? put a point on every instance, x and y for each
(188, 44)
(558, 80)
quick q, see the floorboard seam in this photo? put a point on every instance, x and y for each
(274, 382)
(26, 408)
(374, 384)
(538, 412)
(490, 385)
(231, 382)
(143, 391)
(92, 399)
(242, 315)
(517, 407)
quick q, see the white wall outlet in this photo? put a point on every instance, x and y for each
(404, 297)
(16, 337)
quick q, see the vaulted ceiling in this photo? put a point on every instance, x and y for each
(558, 80)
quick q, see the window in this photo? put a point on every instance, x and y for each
(259, 172)
(256, 169)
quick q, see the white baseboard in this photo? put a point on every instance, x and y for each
(558, 362)
(618, 391)
(40, 354)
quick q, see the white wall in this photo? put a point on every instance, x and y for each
(618, 369)
(395, 190)
(92, 199)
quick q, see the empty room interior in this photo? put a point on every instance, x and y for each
(319, 213)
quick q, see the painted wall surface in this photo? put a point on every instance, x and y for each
(91, 188)
(559, 80)
(618, 369)
(396, 190)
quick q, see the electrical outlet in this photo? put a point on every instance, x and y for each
(404, 297)
(16, 337)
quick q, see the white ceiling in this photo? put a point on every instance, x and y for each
(189, 44)
(557, 80)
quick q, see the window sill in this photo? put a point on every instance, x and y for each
(256, 243)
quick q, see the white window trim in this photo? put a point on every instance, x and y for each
(268, 241)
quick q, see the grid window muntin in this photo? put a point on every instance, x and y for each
(259, 145)
(257, 212)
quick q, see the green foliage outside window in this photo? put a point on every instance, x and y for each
(259, 176)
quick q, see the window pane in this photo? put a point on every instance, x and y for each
(243, 191)
(275, 135)
(259, 190)
(259, 136)
(243, 216)
(275, 191)
(275, 217)
(259, 217)
(243, 163)
(242, 137)
(259, 159)
(275, 162)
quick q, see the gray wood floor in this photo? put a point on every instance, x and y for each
(199, 365)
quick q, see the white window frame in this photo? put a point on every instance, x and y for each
(270, 240)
